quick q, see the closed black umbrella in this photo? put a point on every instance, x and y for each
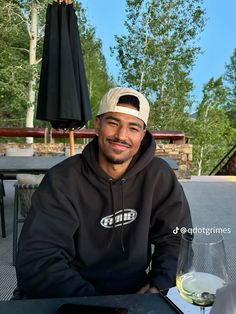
(63, 93)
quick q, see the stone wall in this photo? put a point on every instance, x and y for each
(181, 153)
(39, 149)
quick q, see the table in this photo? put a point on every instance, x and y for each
(135, 303)
(40, 164)
(28, 164)
(10, 166)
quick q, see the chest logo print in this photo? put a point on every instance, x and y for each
(126, 215)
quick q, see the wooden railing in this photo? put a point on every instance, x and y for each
(26, 132)
(173, 137)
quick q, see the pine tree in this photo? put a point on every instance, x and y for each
(230, 78)
(158, 52)
(212, 134)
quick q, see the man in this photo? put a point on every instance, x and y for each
(96, 215)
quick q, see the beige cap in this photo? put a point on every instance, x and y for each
(110, 100)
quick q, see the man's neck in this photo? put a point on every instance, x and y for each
(115, 171)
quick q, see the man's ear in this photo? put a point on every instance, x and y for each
(97, 125)
(144, 132)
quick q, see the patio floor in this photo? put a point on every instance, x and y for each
(213, 205)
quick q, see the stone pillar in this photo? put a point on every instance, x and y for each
(181, 153)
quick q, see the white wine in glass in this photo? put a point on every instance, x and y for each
(201, 268)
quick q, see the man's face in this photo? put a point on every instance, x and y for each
(120, 136)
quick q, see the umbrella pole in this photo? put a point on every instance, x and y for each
(72, 142)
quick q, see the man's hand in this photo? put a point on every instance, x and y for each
(148, 289)
(144, 289)
(153, 290)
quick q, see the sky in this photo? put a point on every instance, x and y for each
(218, 40)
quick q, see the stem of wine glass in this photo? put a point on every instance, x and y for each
(202, 310)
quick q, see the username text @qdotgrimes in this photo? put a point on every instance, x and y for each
(202, 230)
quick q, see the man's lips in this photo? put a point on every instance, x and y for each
(119, 145)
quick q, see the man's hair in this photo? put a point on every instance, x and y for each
(129, 99)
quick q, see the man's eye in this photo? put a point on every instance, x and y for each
(134, 129)
(112, 123)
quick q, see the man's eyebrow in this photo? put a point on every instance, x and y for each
(130, 123)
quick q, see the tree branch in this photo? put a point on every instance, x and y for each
(23, 19)
(38, 61)
(22, 49)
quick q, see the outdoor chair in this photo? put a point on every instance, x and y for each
(10, 151)
(16, 151)
(2, 213)
(25, 186)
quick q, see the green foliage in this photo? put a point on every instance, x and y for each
(230, 78)
(157, 54)
(15, 72)
(212, 134)
(95, 64)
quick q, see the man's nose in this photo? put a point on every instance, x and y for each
(121, 132)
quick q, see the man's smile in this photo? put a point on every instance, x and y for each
(119, 145)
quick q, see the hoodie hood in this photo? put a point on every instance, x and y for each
(143, 157)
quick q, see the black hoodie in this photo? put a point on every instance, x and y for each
(87, 234)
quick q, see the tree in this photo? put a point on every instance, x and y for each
(32, 26)
(14, 70)
(32, 22)
(20, 21)
(212, 134)
(97, 75)
(98, 79)
(158, 52)
(230, 78)
(21, 52)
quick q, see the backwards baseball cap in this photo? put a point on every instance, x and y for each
(110, 101)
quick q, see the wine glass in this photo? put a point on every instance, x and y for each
(201, 268)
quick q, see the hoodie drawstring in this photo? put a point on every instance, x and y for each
(122, 220)
(113, 213)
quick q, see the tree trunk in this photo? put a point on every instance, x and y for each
(32, 62)
(143, 66)
(202, 147)
(200, 162)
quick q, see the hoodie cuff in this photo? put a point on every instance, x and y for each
(162, 281)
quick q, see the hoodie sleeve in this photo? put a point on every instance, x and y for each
(171, 213)
(46, 246)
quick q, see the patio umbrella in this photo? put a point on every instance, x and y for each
(63, 94)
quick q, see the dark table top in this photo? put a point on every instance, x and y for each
(40, 164)
(136, 304)
(28, 164)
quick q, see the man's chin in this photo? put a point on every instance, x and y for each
(115, 161)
